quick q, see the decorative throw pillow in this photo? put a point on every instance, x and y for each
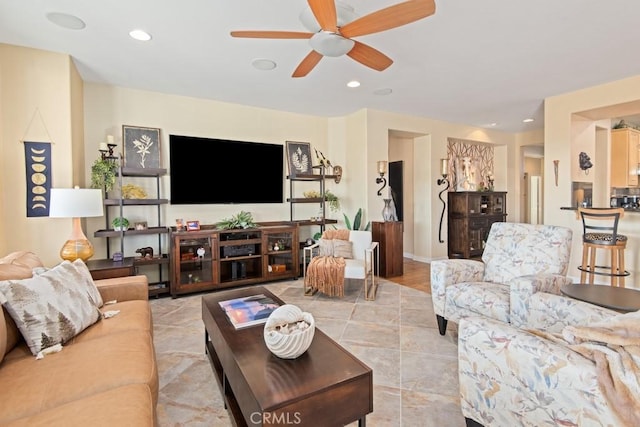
(342, 248)
(50, 308)
(85, 276)
(326, 247)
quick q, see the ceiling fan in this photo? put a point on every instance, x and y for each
(331, 34)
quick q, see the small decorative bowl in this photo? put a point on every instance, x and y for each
(289, 331)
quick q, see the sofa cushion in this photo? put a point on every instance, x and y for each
(53, 307)
(81, 369)
(130, 405)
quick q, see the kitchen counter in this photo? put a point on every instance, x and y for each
(573, 208)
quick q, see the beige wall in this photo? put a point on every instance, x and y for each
(597, 103)
(356, 142)
(107, 108)
(37, 104)
(78, 117)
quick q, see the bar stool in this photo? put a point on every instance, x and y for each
(600, 231)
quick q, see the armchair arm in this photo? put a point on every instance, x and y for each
(448, 272)
(123, 288)
(552, 313)
(523, 287)
(553, 384)
(307, 254)
(368, 258)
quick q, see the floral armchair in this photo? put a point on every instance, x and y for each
(519, 260)
(528, 377)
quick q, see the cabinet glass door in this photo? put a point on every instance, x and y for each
(196, 261)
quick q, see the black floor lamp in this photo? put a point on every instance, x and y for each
(444, 170)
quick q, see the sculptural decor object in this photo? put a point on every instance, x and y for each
(585, 162)
(146, 252)
(289, 331)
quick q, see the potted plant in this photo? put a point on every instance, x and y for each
(331, 199)
(103, 174)
(240, 220)
(120, 223)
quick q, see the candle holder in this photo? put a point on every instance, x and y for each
(444, 163)
(382, 169)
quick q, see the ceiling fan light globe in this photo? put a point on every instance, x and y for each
(330, 44)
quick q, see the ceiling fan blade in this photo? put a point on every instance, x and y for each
(307, 64)
(325, 13)
(271, 34)
(389, 17)
(372, 58)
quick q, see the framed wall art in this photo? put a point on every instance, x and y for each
(299, 158)
(141, 147)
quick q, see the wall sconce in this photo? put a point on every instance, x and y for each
(444, 171)
(382, 169)
(106, 149)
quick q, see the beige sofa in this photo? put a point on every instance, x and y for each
(105, 376)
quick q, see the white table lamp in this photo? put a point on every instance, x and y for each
(76, 203)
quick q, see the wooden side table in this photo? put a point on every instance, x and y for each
(108, 269)
(623, 300)
(388, 234)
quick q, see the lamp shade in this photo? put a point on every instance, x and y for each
(75, 203)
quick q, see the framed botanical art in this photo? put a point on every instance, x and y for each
(141, 147)
(299, 158)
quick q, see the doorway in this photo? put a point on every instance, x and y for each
(532, 185)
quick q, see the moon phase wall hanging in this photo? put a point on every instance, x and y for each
(38, 175)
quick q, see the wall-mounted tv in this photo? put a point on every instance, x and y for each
(222, 171)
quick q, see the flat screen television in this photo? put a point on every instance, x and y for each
(222, 171)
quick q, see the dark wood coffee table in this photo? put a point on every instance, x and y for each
(326, 386)
(620, 299)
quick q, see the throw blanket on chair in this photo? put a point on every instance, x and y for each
(326, 273)
(614, 346)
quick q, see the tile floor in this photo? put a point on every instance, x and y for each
(414, 368)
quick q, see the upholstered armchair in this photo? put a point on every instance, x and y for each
(518, 261)
(578, 376)
(339, 255)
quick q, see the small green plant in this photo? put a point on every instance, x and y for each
(331, 199)
(357, 220)
(103, 174)
(240, 220)
(120, 223)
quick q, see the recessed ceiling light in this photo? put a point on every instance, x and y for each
(494, 124)
(66, 21)
(384, 91)
(353, 83)
(263, 64)
(141, 35)
(527, 120)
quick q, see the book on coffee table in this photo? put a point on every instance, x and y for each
(249, 311)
